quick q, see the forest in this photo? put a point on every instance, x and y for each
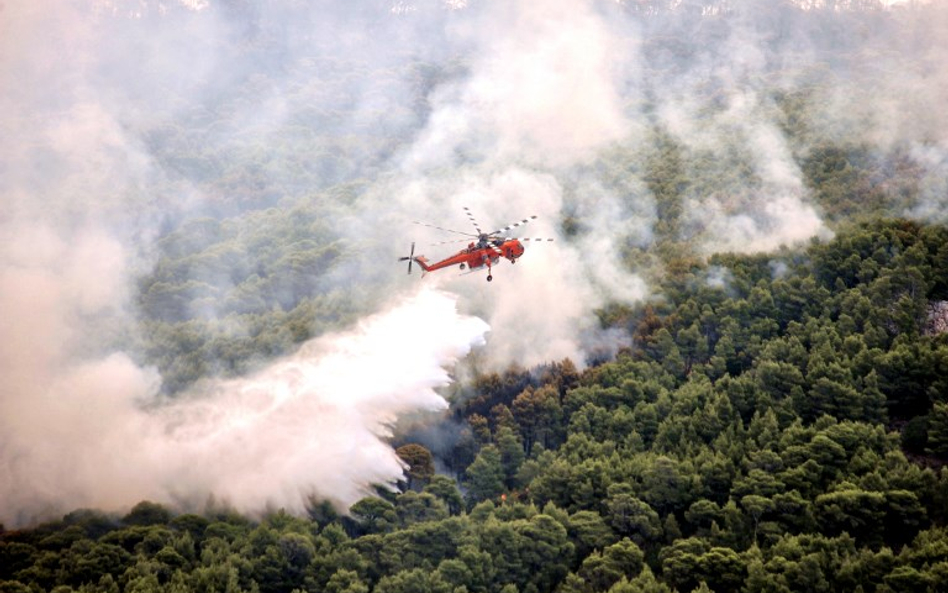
(776, 420)
(779, 434)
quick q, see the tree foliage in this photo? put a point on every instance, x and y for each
(779, 469)
(778, 421)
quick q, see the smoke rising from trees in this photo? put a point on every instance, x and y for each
(121, 120)
(97, 434)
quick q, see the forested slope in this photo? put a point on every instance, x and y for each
(783, 430)
(774, 419)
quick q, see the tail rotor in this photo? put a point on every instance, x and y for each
(410, 257)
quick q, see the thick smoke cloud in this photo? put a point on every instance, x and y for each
(81, 422)
(549, 109)
(542, 96)
(96, 433)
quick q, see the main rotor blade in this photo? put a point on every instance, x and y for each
(444, 229)
(513, 225)
(526, 239)
(474, 222)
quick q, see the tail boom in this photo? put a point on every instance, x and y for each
(423, 262)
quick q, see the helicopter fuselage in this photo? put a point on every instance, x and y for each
(476, 255)
(485, 250)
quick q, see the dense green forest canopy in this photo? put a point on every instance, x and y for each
(775, 421)
(784, 431)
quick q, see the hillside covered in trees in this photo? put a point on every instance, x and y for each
(784, 431)
(757, 232)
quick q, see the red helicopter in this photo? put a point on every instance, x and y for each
(485, 250)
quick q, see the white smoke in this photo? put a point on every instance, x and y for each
(542, 89)
(544, 95)
(719, 109)
(315, 423)
(81, 422)
(933, 183)
(545, 92)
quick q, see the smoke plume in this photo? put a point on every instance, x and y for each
(619, 124)
(82, 422)
(314, 424)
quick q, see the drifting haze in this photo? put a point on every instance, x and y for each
(119, 122)
(96, 434)
(544, 94)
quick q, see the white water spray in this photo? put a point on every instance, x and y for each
(314, 423)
